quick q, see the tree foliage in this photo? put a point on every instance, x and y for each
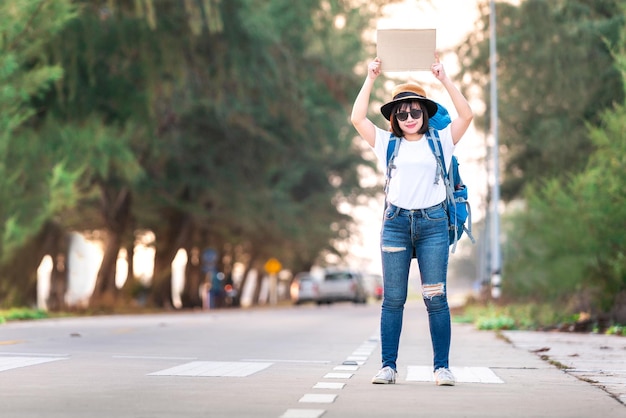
(211, 123)
(25, 27)
(555, 74)
(569, 244)
(30, 191)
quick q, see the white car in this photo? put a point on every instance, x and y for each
(374, 285)
(303, 288)
(341, 285)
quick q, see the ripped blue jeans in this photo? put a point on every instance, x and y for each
(420, 233)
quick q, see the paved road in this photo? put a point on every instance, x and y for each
(286, 362)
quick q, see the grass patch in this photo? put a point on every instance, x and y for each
(617, 330)
(513, 316)
(529, 316)
(19, 314)
(496, 322)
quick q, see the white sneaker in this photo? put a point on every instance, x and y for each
(385, 376)
(444, 377)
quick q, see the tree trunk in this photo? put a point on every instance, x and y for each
(58, 283)
(130, 283)
(105, 291)
(249, 266)
(18, 282)
(193, 278)
(258, 285)
(116, 212)
(161, 287)
(56, 244)
(175, 237)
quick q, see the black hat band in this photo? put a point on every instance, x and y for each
(408, 94)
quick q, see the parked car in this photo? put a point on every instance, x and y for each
(374, 285)
(303, 288)
(341, 285)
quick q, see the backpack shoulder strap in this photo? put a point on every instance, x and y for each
(392, 148)
(435, 146)
(392, 152)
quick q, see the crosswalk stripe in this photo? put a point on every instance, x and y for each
(303, 413)
(318, 398)
(213, 369)
(8, 363)
(462, 374)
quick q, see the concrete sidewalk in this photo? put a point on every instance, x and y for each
(599, 360)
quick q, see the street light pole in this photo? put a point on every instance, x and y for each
(496, 267)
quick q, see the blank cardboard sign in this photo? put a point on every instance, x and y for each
(406, 49)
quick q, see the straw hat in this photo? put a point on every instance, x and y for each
(408, 92)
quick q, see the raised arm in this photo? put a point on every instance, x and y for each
(463, 109)
(359, 119)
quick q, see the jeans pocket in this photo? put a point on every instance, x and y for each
(391, 212)
(438, 214)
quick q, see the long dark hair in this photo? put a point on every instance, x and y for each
(395, 127)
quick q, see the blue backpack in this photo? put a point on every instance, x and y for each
(457, 205)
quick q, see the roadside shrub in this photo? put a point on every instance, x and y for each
(520, 316)
(568, 242)
(18, 314)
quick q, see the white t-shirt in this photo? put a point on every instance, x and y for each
(412, 184)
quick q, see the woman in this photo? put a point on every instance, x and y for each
(415, 222)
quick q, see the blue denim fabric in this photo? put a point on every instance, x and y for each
(420, 233)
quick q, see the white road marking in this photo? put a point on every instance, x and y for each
(9, 354)
(462, 374)
(213, 369)
(329, 385)
(338, 375)
(346, 368)
(8, 363)
(155, 358)
(352, 363)
(272, 360)
(318, 398)
(303, 413)
(357, 358)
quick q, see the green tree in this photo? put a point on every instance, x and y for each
(210, 123)
(267, 130)
(102, 105)
(555, 74)
(25, 27)
(569, 243)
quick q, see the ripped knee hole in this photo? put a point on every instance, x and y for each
(388, 249)
(429, 291)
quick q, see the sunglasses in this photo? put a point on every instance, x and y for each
(415, 114)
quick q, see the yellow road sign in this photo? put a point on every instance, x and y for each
(273, 266)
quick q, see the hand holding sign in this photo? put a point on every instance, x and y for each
(437, 68)
(373, 69)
